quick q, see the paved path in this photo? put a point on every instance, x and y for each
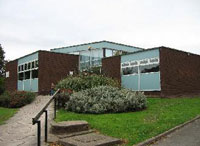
(19, 130)
(189, 135)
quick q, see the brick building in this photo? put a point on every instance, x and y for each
(158, 71)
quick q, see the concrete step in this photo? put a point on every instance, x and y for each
(75, 134)
(53, 138)
(68, 127)
(90, 139)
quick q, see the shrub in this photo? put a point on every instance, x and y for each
(63, 97)
(82, 82)
(5, 99)
(16, 99)
(106, 99)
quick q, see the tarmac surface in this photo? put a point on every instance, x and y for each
(189, 135)
(18, 130)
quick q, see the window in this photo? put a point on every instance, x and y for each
(21, 76)
(90, 58)
(22, 67)
(130, 70)
(154, 60)
(36, 63)
(7, 74)
(29, 65)
(143, 62)
(33, 64)
(109, 53)
(150, 68)
(134, 63)
(19, 68)
(26, 66)
(125, 64)
(27, 75)
(34, 74)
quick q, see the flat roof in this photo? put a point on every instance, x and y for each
(95, 43)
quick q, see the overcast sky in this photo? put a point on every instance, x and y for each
(30, 25)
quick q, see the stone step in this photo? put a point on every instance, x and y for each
(90, 139)
(75, 134)
(68, 127)
(53, 138)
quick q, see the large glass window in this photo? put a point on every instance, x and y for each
(90, 58)
(150, 68)
(145, 66)
(25, 70)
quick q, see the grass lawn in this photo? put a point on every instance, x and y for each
(135, 127)
(6, 113)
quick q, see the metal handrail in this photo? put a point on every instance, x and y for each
(44, 110)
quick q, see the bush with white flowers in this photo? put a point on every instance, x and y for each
(106, 99)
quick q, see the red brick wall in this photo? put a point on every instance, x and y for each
(111, 67)
(180, 73)
(53, 67)
(11, 81)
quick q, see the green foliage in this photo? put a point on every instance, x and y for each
(5, 99)
(104, 99)
(2, 61)
(161, 115)
(63, 97)
(2, 85)
(16, 99)
(82, 82)
(94, 70)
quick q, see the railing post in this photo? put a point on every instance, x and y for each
(36, 119)
(55, 108)
(46, 125)
(39, 133)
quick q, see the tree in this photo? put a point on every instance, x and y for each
(2, 70)
(2, 62)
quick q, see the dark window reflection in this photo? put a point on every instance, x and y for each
(29, 65)
(27, 75)
(130, 70)
(34, 74)
(21, 76)
(33, 65)
(150, 68)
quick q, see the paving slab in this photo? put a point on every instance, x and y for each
(90, 139)
(18, 130)
(188, 135)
